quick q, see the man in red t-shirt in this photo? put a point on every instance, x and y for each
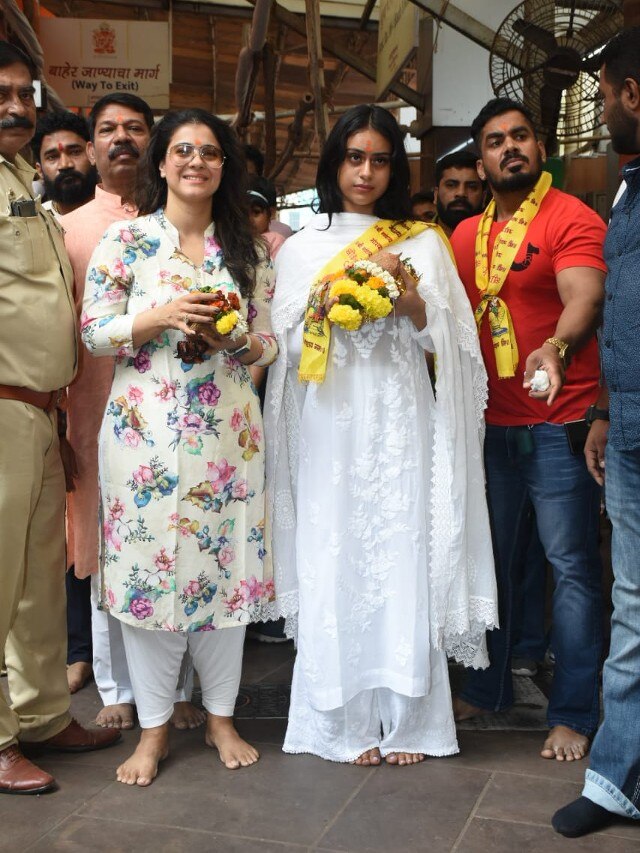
(532, 267)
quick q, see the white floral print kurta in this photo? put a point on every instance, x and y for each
(181, 446)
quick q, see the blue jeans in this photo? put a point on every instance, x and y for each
(535, 464)
(613, 780)
(529, 637)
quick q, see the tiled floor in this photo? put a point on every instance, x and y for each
(496, 796)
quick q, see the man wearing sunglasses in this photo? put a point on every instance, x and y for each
(120, 128)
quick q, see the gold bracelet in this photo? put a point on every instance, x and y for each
(560, 345)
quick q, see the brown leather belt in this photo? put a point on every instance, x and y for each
(46, 400)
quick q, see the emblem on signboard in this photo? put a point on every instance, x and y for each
(104, 39)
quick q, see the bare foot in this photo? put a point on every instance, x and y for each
(368, 758)
(234, 751)
(116, 716)
(464, 711)
(403, 758)
(187, 716)
(141, 768)
(78, 674)
(564, 744)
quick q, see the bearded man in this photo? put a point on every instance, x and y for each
(459, 190)
(612, 784)
(533, 269)
(60, 150)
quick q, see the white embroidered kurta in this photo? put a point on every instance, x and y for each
(181, 446)
(381, 543)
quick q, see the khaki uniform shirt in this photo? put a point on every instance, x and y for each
(37, 317)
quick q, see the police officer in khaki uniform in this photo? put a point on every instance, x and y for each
(37, 359)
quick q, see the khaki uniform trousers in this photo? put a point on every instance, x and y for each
(32, 567)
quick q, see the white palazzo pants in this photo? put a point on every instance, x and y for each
(378, 717)
(155, 658)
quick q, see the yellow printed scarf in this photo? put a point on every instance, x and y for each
(489, 281)
(317, 329)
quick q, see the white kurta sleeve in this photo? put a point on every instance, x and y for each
(106, 327)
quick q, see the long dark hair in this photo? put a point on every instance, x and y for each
(395, 203)
(229, 206)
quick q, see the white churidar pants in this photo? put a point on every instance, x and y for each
(110, 669)
(155, 659)
(378, 717)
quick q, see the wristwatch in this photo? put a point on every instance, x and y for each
(243, 350)
(593, 413)
(560, 345)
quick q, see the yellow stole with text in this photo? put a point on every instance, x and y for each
(489, 280)
(317, 329)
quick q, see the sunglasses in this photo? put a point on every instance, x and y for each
(183, 152)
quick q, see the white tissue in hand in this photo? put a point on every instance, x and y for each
(540, 381)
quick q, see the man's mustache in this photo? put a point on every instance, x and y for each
(511, 155)
(63, 174)
(123, 148)
(460, 204)
(15, 121)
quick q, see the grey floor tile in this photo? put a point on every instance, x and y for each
(521, 798)
(263, 731)
(408, 809)
(496, 836)
(23, 819)
(289, 798)
(261, 659)
(78, 835)
(518, 752)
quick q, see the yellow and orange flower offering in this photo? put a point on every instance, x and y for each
(228, 319)
(366, 292)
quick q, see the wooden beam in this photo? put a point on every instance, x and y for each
(316, 69)
(295, 135)
(249, 63)
(297, 24)
(269, 63)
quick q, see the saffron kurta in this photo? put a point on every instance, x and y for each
(87, 395)
(181, 453)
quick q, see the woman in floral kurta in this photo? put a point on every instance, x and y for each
(181, 444)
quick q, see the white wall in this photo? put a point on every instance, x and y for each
(461, 84)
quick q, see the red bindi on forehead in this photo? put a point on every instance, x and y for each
(60, 147)
(120, 119)
(198, 142)
(368, 146)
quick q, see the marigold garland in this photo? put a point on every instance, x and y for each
(365, 293)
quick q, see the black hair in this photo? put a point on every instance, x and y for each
(54, 122)
(456, 160)
(123, 99)
(229, 204)
(264, 188)
(255, 156)
(395, 203)
(423, 195)
(497, 107)
(621, 58)
(10, 54)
